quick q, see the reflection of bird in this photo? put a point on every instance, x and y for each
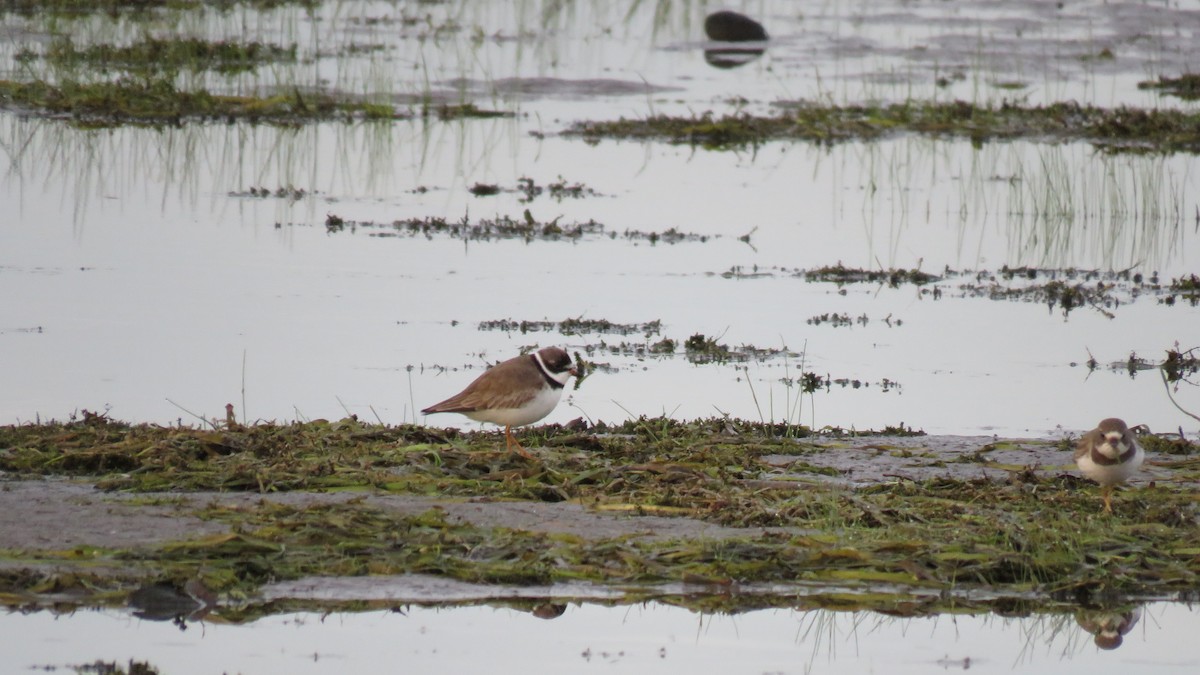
(1109, 626)
(162, 602)
(517, 392)
(549, 610)
(1109, 454)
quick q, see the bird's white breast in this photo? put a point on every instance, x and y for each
(535, 409)
(1107, 474)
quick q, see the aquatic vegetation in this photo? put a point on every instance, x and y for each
(1029, 532)
(506, 227)
(1066, 289)
(845, 320)
(839, 274)
(1184, 288)
(1186, 87)
(289, 193)
(1176, 366)
(133, 8)
(574, 326)
(1179, 364)
(159, 102)
(446, 111)
(1162, 130)
(154, 56)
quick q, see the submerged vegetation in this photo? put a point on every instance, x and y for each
(927, 520)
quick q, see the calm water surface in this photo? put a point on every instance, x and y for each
(646, 638)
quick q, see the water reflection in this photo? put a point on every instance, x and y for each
(641, 637)
(730, 57)
(1109, 626)
(166, 602)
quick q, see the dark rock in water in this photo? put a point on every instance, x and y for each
(726, 26)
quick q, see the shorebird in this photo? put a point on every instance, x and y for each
(1109, 454)
(514, 393)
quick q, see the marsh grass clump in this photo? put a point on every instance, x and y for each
(486, 229)
(446, 112)
(1067, 290)
(152, 56)
(527, 227)
(484, 189)
(1109, 128)
(1179, 365)
(1168, 445)
(840, 274)
(574, 326)
(1185, 288)
(1186, 87)
(134, 8)
(558, 190)
(157, 101)
(703, 349)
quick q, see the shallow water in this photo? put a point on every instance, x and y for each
(644, 638)
(135, 283)
(140, 276)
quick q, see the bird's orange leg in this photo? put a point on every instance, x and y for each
(1107, 490)
(514, 445)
